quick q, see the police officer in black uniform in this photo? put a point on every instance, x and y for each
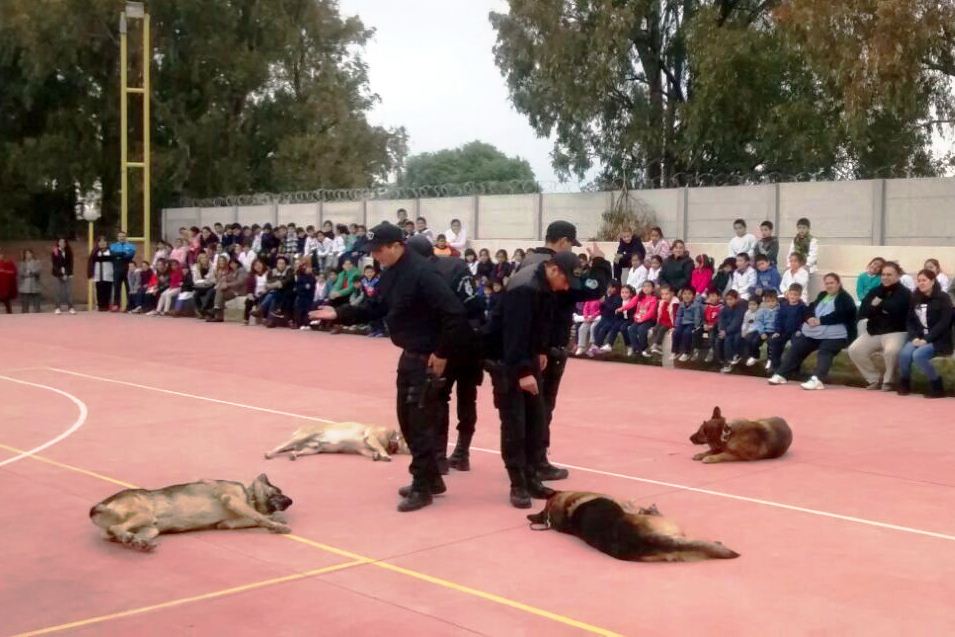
(561, 236)
(518, 340)
(465, 371)
(427, 321)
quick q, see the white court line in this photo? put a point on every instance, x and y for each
(672, 485)
(80, 420)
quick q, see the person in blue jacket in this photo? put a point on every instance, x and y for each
(767, 277)
(123, 253)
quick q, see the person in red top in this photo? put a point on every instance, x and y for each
(8, 281)
(711, 316)
(666, 315)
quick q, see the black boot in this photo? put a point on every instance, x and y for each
(437, 487)
(536, 488)
(461, 457)
(520, 498)
(416, 499)
(547, 471)
(937, 390)
(905, 386)
(442, 461)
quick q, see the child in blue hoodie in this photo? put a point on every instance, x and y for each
(789, 320)
(765, 327)
(689, 320)
(610, 319)
(767, 277)
(730, 331)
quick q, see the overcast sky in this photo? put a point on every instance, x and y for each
(432, 65)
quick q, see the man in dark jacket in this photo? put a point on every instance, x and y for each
(464, 371)
(562, 236)
(427, 321)
(518, 340)
(886, 307)
(677, 269)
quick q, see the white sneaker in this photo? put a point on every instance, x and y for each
(72, 311)
(606, 348)
(777, 380)
(580, 351)
(735, 361)
(769, 365)
(674, 356)
(751, 361)
(152, 313)
(726, 369)
(57, 311)
(629, 351)
(646, 354)
(684, 358)
(813, 383)
(305, 327)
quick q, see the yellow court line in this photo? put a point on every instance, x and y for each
(356, 558)
(195, 598)
(71, 468)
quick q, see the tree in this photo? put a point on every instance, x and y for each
(652, 89)
(247, 96)
(473, 162)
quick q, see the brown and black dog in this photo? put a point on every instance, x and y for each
(741, 439)
(614, 529)
(135, 517)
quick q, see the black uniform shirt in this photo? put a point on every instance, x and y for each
(422, 313)
(595, 282)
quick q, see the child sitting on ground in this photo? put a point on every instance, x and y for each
(666, 318)
(711, 316)
(765, 325)
(729, 335)
(702, 275)
(767, 278)
(749, 323)
(589, 315)
(638, 273)
(789, 319)
(608, 319)
(305, 283)
(644, 319)
(653, 272)
(689, 318)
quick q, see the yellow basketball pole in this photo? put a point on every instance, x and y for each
(135, 10)
(89, 284)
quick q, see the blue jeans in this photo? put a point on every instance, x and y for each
(922, 358)
(639, 334)
(608, 329)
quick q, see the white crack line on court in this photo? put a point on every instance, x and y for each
(623, 476)
(80, 419)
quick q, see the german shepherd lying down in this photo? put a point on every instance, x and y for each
(372, 442)
(614, 529)
(742, 439)
(135, 517)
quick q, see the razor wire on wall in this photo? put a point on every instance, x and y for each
(522, 187)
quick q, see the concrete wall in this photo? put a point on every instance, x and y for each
(920, 212)
(509, 216)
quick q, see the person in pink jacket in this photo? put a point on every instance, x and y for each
(590, 314)
(702, 275)
(644, 319)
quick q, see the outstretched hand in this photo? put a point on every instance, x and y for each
(595, 251)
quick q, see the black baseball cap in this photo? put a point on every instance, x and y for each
(569, 264)
(562, 230)
(421, 244)
(383, 234)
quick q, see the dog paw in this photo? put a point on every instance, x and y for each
(293, 457)
(699, 456)
(279, 517)
(268, 456)
(145, 546)
(126, 538)
(280, 528)
(710, 459)
(384, 458)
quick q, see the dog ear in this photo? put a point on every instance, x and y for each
(716, 413)
(263, 478)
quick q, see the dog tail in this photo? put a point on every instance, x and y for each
(678, 549)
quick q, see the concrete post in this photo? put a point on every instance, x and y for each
(321, 212)
(364, 212)
(878, 212)
(540, 216)
(683, 213)
(777, 213)
(477, 216)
